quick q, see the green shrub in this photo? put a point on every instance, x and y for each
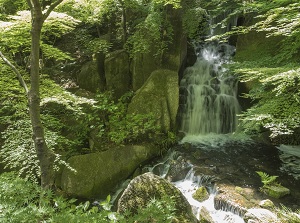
(24, 201)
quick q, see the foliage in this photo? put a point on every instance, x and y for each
(286, 215)
(276, 91)
(195, 20)
(113, 123)
(24, 201)
(10, 7)
(15, 35)
(18, 151)
(149, 32)
(156, 211)
(266, 179)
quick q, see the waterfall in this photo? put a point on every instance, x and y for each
(210, 93)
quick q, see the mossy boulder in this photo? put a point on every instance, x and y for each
(201, 194)
(159, 96)
(149, 186)
(117, 73)
(88, 77)
(276, 191)
(98, 173)
(143, 64)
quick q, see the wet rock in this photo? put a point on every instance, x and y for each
(178, 169)
(201, 194)
(204, 216)
(148, 186)
(229, 199)
(276, 191)
(260, 215)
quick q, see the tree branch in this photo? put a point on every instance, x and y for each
(19, 76)
(50, 9)
(29, 4)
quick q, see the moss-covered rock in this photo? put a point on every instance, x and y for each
(98, 173)
(143, 64)
(148, 186)
(159, 96)
(89, 78)
(201, 194)
(276, 191)
(117, 73)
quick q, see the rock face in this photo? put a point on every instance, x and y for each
(117, 73)
(89, 78)
(98, 173)
(143, 64)
(159, 96)
(148, 186)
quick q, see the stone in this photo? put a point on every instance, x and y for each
(149, 186)
(267, 204)
(143, 64)
(117, 73)
(98, 173)
(201, 194)
(260, 215)
(230, 199)
(159, 96)
(178, 169)
(204, 216)
(88, 77)
(276, 191)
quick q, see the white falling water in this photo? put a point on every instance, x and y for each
(211, 101)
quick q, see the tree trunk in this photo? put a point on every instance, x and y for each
(44, 154)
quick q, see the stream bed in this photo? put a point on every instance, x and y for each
(221, 162)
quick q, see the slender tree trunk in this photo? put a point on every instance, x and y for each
(44, 154)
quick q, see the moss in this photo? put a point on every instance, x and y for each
(276, 191)
(201, 194)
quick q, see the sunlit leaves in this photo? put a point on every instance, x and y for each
(15, 34)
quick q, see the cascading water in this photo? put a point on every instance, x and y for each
(211, 104)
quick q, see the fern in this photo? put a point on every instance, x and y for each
(266, 179)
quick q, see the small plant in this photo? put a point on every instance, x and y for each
(271, 187)
(266, 179)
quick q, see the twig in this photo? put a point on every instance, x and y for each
(19, 76)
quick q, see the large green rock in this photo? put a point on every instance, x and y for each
(143, 64)
(89, 78)
(159, 96)
(176, 53)
(98, 173)
(149, 186)
(117, 73)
